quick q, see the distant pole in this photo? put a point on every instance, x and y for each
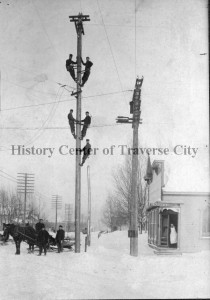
(57, 204)
(25, 184)
(89, 206)
(78, 20)
(24, 216)
(67, 216)
(56, 215)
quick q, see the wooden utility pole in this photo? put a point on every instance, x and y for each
(78, 21)
(68, 216)
(89, 206)
(135, 106)
(133, 230)
(25, 183)
(57, 204)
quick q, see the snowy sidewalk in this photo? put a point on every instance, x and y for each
(105, 271)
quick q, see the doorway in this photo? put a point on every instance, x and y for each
(168, 228)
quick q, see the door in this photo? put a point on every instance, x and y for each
(173, 232)
(168, 228)
(164, 229)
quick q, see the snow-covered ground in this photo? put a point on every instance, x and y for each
(105, 271)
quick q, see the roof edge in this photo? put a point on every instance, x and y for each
(171, 193)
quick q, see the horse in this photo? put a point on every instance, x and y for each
(20, 233)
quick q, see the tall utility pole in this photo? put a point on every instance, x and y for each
(78, 21)
(57, 204)
(25, 185)
(89, 207)
(135, 106)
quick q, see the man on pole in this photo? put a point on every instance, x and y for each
(71, 123)
(87, 149)
(86, 74)
(70, 67)
(86, 121)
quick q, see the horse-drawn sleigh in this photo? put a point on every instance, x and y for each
(29, 235)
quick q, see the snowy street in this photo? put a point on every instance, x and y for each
(105, 271)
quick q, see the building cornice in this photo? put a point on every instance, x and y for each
(172, 193)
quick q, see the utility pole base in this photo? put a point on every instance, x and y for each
(134, 246)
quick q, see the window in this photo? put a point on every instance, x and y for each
(206, 222)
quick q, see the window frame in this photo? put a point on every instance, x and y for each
(202, 220)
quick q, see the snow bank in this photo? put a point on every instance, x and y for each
(106, 271)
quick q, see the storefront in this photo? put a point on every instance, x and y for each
(163, 221)
(177, 221)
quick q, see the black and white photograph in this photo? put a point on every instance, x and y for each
(104, 149)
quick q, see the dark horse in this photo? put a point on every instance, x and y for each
(19, 234)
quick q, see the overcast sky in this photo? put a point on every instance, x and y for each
(162, 40)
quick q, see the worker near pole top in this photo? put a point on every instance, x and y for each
(70, 66)
(86, 121)
(86, 74)
(86, 152)
(71, 123)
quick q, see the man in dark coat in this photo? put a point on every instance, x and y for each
(42, 240)
(39, 225)
(86, 74)
(71, 123)
(87, 149)
(60, 238)
(70, 66)
(86, 121)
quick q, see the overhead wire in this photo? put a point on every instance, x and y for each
(48, 103)
(135, 39)
(29, 88)
(110, 48)
(40, 128)
(48, 119)
(7, 178)
(44, 29)
(92, 126)
(30, 72)
(15, 180)
(8, 174)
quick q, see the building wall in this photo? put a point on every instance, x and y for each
(155, 189)
(157, 182)
(192, 207)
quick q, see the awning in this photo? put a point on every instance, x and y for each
(164, 205)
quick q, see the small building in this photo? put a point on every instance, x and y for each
(178, 219)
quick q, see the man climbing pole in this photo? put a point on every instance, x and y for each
(86, 74)
(86, 152)
(71, 123)
(70, 67)
(86, 121)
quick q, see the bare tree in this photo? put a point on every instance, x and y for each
(11, 207)
(117, 207)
